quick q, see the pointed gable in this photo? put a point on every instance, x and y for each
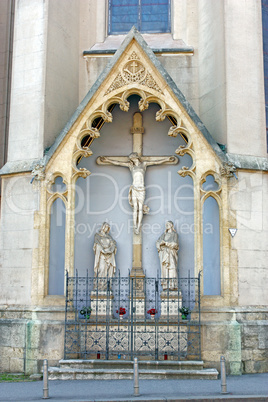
(135, 67)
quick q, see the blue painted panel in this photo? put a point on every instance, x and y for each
(265, 56)
(57, 248)
(104, 195)
(211, 248)
(168, 195)
(99, 197)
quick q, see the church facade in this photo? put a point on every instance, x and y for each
(135, 126)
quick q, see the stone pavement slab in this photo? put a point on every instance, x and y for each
(249, 387)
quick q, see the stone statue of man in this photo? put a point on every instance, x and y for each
(137, 166)
(168, 246)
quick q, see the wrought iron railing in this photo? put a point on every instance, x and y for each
(124, 317)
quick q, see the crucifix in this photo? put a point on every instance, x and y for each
(137, 164)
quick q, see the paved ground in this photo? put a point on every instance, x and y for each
(250, 387)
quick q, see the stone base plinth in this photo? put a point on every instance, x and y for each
(171, 302)
(137, 275)
(101, 303)
(139, 305)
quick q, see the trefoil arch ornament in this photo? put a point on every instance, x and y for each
(216, 192)
(102, 112)
(53, 195)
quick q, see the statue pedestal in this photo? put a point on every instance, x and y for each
(137, 277)
(139, 306)
(171, 302)
(101, 303)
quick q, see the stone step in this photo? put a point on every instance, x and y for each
(56, 373)
(128, 364)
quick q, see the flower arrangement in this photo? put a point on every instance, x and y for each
(121, 311)
(152, 312)
(184, 312)
(86, 312)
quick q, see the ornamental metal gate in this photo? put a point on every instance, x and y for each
(125, 317)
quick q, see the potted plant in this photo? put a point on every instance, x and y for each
(152, 312)
(86, 312)
(184, 312)
(121, 312)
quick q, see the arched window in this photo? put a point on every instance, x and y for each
(57, 248)
(211, 248)
(265, 57)
(147, 16)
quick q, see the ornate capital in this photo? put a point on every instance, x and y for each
(227, 170)
(38, 172)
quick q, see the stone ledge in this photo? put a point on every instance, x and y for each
(23, 166)
(248, 162)
(56, 373)
(161, 43)
(128, 364)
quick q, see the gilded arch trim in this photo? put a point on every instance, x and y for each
(67, 150)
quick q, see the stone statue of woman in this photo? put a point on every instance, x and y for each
(168, 246)
(105, 250)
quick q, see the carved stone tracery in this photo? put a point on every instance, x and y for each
(121, 99)
(215, 193)
(134, 71)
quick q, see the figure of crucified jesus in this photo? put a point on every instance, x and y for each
(137, 166)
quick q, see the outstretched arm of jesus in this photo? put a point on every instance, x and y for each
(159, 161)
(109, 161)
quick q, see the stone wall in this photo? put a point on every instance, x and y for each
(62, 67)
(5, 31)
(245, 108)
(254, 340)
(18, 238)
(28, 73)
(212, 76)
(247, 199)
(28, 336)
(241, 335)
(45, 76)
